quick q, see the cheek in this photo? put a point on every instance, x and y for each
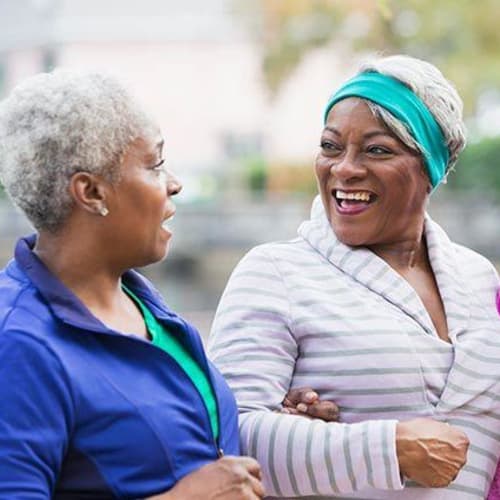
(156, 195)
(409, 191)
(322, 168)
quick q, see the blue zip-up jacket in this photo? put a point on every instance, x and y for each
(87, 412)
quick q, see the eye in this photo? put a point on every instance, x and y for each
(379, 150)
(329, 147)
(159, 167)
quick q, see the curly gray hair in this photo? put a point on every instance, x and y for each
(439, 95)
(56, 124)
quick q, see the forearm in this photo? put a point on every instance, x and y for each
(36, 413)
(254, 347)
(301, 457)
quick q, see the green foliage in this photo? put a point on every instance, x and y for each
(256, 174)
(478, 169)
(287, 29)
(460, 36)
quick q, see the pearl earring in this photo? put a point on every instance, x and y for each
(103, 211)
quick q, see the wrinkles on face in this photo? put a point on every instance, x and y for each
(142, 204)
(359, 155)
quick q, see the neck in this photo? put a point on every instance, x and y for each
(403, 255)
(407, 252)
(76, 261)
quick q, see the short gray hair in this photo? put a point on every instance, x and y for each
(438, 94)
(56, 124)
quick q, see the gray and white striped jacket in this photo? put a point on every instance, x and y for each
(315, 312)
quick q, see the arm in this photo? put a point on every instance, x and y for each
(253, 345)
(416, 440)
(35, 417)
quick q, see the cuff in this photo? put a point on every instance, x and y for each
(385, 464)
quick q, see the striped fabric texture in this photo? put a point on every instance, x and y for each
(315, 312)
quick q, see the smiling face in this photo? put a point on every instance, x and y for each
(140, 205)
(373, 187)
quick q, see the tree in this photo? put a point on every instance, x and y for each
(460, 36)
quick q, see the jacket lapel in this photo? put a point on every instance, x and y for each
(371, 271)
(452, 285)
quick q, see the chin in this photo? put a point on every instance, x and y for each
(153, 257)
(163, 252)
(351, 237)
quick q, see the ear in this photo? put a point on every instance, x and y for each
(425, 175)
(88, 192)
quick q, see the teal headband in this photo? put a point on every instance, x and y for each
(408, 108)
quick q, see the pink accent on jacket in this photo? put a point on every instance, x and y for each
(494, 493)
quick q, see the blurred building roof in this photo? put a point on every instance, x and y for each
(28, 23)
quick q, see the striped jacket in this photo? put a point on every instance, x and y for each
(315, 312)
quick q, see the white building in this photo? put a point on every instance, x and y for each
(193, 63)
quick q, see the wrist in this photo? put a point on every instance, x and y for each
(403, 439)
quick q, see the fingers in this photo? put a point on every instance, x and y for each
(325, 410)
(257, 487)
(305, 395)
(305, 401)
(250, 464)
(290, 411)
(251, 473)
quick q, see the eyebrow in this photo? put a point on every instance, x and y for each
(151, 157)
(368, 135)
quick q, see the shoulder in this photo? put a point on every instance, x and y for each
(22, 309)
(293, 251)
(479, 276)
(476, 269)
(473, 264)
(19, 299)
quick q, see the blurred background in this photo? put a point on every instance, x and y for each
(238, 87)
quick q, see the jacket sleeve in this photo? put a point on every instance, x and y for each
(35, 416)
(253, 345)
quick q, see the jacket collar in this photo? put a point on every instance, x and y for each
(64, 304)
(69, 309)
(363, 266)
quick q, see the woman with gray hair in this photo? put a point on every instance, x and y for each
(375, 308)
(105, 392)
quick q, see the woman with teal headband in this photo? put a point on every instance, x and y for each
(375, 308)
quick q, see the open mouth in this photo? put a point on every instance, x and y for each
(353, 201)
(167, 220)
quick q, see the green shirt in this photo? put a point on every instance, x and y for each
(164, 340)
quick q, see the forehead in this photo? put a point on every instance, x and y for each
(354, 113)
(146, 146)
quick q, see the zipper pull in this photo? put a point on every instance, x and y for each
(220, 452)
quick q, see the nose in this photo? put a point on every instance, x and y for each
(348, 168)
(174, 185)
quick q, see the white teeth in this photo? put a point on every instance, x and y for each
(358, 195)
(166, 221)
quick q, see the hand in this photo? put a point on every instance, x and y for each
(229, 478)
(305, 401)
(430, 452)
